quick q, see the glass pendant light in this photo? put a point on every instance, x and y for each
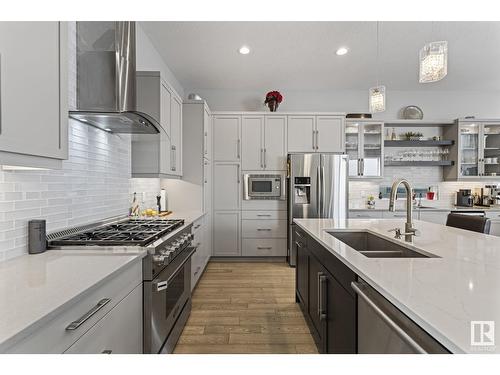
(377, 93)
(433, 62)
(377, 99)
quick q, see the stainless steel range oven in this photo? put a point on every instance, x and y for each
(167, 295)
(166, 269)
(264, 186)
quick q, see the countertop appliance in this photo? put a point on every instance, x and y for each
(264, 186)
(465, 198)
(166, 269)
(382, 328)
(317, 188)
(106, 79)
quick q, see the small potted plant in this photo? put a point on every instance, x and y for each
(273, 100)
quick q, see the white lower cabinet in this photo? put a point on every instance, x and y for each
(398, 215)
(202, 241)
(494, 216)
(264, 233)
(118, 332)
(263, 228)
(226, 230)
(116, 325)
(264, 247)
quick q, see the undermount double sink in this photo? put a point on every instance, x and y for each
(373, 246)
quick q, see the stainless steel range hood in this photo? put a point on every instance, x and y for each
(106, 81)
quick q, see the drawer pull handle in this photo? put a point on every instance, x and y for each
(107, 351)
(298, 234)
(298, 244)
(197, 226)
(264, 247)
(263, 215)
(264, 229)
(77, 323)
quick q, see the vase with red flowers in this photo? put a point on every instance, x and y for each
(273, 100)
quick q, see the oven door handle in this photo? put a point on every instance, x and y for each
(163, 284)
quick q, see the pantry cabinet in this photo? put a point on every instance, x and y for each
(158, 155)
(264, 146)
(226, 241)
(33, 94)
(365, 147)
(308, 133)
(226, 186)
(227, 138)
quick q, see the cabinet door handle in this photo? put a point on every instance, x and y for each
(238, 147)
(238, 171)
(77, 323)
(107, 351)
(298, 244)
(197, 226)
(317, 139)
(264, 247)
(173, 161)
(261, 158)
(321, 290)
(265, 159)
(362, 167)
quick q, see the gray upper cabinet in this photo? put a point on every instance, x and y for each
(158, 155)
(33, 94)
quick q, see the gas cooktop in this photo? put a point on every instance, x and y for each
(130, 232)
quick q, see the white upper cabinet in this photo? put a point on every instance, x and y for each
(252, 149)
(158, 155)
(301, 133)
(227, 138)
(275, 143)
(33, 94)
(176, 135)
(330, 134)
(264, 142)
(316, 134)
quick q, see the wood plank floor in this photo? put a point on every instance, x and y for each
(246, 308)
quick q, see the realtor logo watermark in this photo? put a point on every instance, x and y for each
(482, 335)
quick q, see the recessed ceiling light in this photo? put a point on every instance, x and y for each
(244, 50)
(342, 51)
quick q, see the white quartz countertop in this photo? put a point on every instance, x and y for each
(188, 216)
(35, 287)
(442, 295)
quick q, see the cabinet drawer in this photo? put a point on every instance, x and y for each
(262, 247)
(365, 214)
(54, 338)
(263, 215)
(119, 332)
(264, 228)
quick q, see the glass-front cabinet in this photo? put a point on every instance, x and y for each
(479, 149)
(365, 145)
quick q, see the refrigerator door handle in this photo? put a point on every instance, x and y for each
(318, 193)
(323, 192)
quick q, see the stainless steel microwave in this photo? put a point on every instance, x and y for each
(264, 186)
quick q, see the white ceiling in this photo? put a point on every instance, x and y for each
(301, 55)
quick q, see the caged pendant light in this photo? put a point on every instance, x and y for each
(433, 62)
(377, 93)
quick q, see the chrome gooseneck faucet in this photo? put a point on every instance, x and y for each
(409, 230)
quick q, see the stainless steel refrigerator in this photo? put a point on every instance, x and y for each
(317, 188)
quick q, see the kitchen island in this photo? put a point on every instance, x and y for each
(442, 294)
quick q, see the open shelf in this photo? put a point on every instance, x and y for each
(417, 123)
(418, 163)
(426, 143)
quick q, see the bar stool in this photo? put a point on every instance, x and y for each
(478, 224)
